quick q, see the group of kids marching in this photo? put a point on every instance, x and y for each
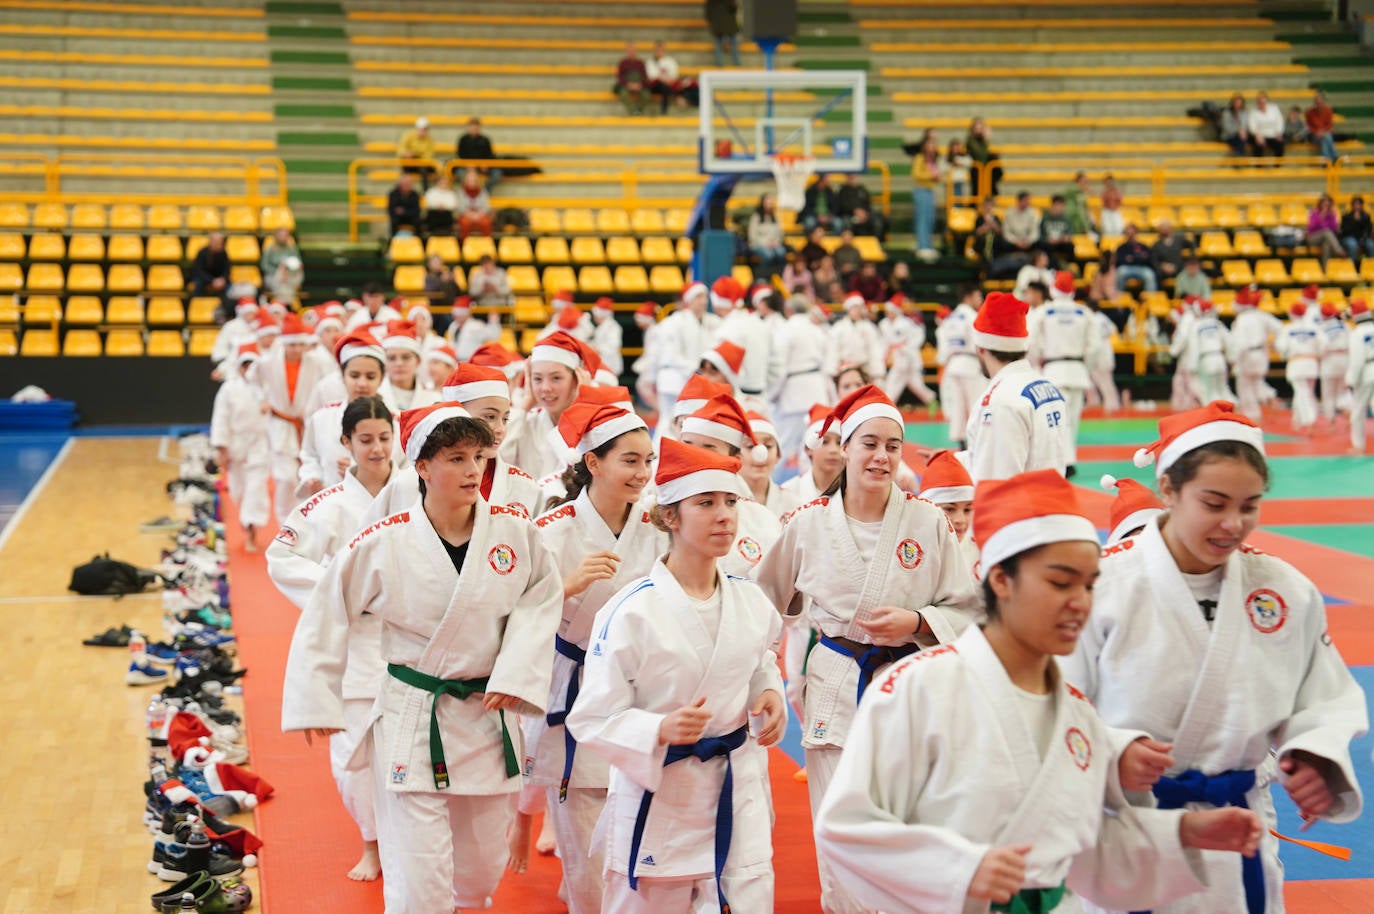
(514, 597)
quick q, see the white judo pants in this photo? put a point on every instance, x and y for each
(1359, 411)
(1211, 385)
(1105, 386)
(1073, 397)
(355, 787)
(1333, 386)
(248, 490)
(1250, 394)
(574, 821)
(820, 771)
(1304, 402)
(748, 889)
(907, 374)
(1183, 394)
(958, 398)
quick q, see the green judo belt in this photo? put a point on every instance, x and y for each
(460, 689)
(1033, 901)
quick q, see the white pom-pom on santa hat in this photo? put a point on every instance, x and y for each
(1108, 481)
(1143, 457)
(250, 859)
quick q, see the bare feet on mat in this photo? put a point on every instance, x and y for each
(518, 843)
(545, 843)
(369, 866)
(250, 545)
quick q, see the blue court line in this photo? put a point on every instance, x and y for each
(24, 458)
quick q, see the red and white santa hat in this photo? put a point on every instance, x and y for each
(605, 395)
(855, 300)
(352, 304)
(462, 303)
(359, 342)
(1330, 309)
(247, 352)
(1011, 516)
(760, 424)
(1064, 286)
(603, 306)
(402, 336)
(728, 358)
(759, 293)
(494, 355)
(278, 308)
(443, 353)
(310, 317)
(694, 290)
(586, 426)
(418, 424)
(246, 307)
(1297, 309)
(696, 392)
(1204, 305)
(560, 348)
(726, 294)
(561, 298)
(815, 418)
(293, 330)
(684, 471)
(1134, 507)
(1311, 294)
(945, 480)
(868, 402)
(265, 325)
(1247, 297)
(723, 418)
(1190, 430)
(470, 382)
(569, 316)
(1001, 324)
(648, 309)
(1359, 309)
(334, 308)
(328, 320)
(414, 311)
(942, 312)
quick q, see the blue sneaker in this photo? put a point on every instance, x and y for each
(144, 674)
(162, 654)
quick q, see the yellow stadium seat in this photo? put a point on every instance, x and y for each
(622, 250)
(1250, 243)
(84, 309)
(475, 247)
(1341, 271)
(788, 220)
(248, 273)
(514, 249)
(1227, 216)
(631, 280)
(530, 310)
(1293, 213)
(559, 278)
(545, 222)
(1161, 212)
(1307, 270)
(12, 246)
(9, 310)
(1286, 299)
(124, 343)
(1193, 216)
(81, 343)
(444, 246)
(588, 250)
(164, 217)
(528, 337)
(45, 277)
(612, 221)
(166, 343)
(675, 220)
(39, 343)
(271, 218)
(9, 345)
(86, 247)
(1109, 243)
(202, 310)
(459, 277)
(869, 248)
(962, 219)
(657, 249)
(1271, 272)
(126, 217)
(166, 311)
(1366, 272)
(47, 246)
(240, 219)
(14, 215)
(1084, 248)
(578, 221)
(11, 277)
(524, 279)
(166, 277)
(50, 216)
(666, 280)
(647, 222)
(42, 309)
(88, 216)
(243, 248)
(202, 341)
(124, 309)
(200, 218)
(1261, 215)
(161, 249)
(128, 248)
(408, 278)
(1237, 273)
(596, 280)
(1333, 294)
(125, 277)
(743, 275)
(406, 249)
(1215, 244)
(549, 250)
(684, 250)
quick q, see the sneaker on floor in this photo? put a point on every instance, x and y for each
(145, 674)
(172, 862)
(162, 654)
(160, 524)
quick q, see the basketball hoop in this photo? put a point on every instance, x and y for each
(791, 172)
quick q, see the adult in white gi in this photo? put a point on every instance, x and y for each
(239, 434)
(554, 371)
(1251, 333)
(325, 457)
(745, 329)
(601, 539)
(913, 828)
(287, 379)
(905, 586)
(1208, 341)
(854, 340)
(232, 334)
(904, 338)
(681, 695)
(1359, 376)
(1300, 345)
(1257, 692)
(465, 333)
(606, 336)
(1103, 369)
(468, 598)
(1064, 340)
(646, 319)
(678, 344)
(1335, 358)
(1183, 350)
(962, 381)
(801, 346)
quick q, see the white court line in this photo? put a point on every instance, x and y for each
(34, 492)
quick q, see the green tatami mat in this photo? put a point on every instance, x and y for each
(1290, 477)
(1356, 538)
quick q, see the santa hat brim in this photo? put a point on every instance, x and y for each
(995, 343)
(402, 344)
(718, 360)
(1022, 535)
(675, 490)
(869, 411)
(476, 390)
(1131, 522)
(556, 354)
(426, 426)
(1208, 433)
(695, 425)
(945, 495)
(609, 431)
(687, 407)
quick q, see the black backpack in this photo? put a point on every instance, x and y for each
(104, 576)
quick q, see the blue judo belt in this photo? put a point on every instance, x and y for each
(1226, 789)
(871, 659)
(559, 718)
(705, 750)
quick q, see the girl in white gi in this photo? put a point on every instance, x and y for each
(296, 561)
(904, 336)
(1133, 508)
(1359, 376)
(800, 346)
(238, 433)
(1300, 344)
(325, 455)
(1249, 351)
(823, 461)
(721, 364)
(693, 397)
(606, 335)
(601, 541)
(678, 344)
(1063, 340)
(554, 370)
(885, 576)
(468, 597)
(646, 319)
(403, 353)
(1335, 359)
(854, 339)
(681, 694)
(961, 380)
(287, 379)
(758, 474)
(946, 483)
(232, 334)
(1183, 350)
(1208, 340)
(975, 775)
(1255, 691)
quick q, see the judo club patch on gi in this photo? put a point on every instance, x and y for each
(287, 537)
(1079, 748)
(502, 559)
(1267, 610)
(909, 554)
(750, 549)
(398, 773)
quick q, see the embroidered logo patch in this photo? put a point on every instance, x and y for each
(818, 730)
(1079, 748)
(909, 554)
(529, 765)
(1267, 610)
(398, 773)
(750, 549)
(287, 537)
(1041, 392)
(502, 559)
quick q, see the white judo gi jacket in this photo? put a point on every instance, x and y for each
(529, 443)
(238, 423)
(1020, 424)
(757, 531)
(503, 484)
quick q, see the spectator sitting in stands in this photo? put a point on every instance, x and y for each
(1192, 281)
(978, 143)
(987, 232)
(474, 207)
(439, 282)
(797, 278)
(1056, 233)
(869, 283)
(1021, 224)
(834, 293)
(1166, 255)
(665, 79)
(1235, 125)
(489, 286)
(868, 225)
(1133, 261)
(855, 207)
(1110, 219)
(1323, 228)
(1265, 126)
(417, 144)
(279, 247)
(766, 238)
(846, 257)
(899, 280)
(960, 168)
(286, 280)
(474, 145)
(1038, 270)
(631, 81)
(822, 206)
(824, 275)
(441, 201)
(814, 250)
(1076, 205)
(1112, 197)
(1295, 127)
(1320, 121)
(403, 204)
(210, 270)
(1356, 236)
(722, 18)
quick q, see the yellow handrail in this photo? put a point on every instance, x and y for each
(254, 172)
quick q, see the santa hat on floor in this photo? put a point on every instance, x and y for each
(569, 316)
(561, 349)
(868, 402)
(247, 352)
(606, 395)
(402, 336)
(684, 471)
(494, 355)
(587, 426)
(473, 382)
(359, 342)
(1065, 286)
(723, 418)
(694, 290)
(1134, 507)
(1011, 516)
(293, 330)
(444, 353)
(945, 480)
(726, 294)
(1001, 324)
(696, 392)
(815, 418)
(1190, 430)
(418, 424)
(728, 358)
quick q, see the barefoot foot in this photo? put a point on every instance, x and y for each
(545, 843)
(369, 866)
(518, 843)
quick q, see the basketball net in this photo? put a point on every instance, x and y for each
(790, 172)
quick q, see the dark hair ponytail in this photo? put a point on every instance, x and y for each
(361, 409)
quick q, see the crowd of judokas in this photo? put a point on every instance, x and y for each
(513, 596)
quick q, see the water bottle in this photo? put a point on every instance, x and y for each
(138, 648)
(188, 902)
(156, 718)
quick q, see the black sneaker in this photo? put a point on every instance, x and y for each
(172, 862)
